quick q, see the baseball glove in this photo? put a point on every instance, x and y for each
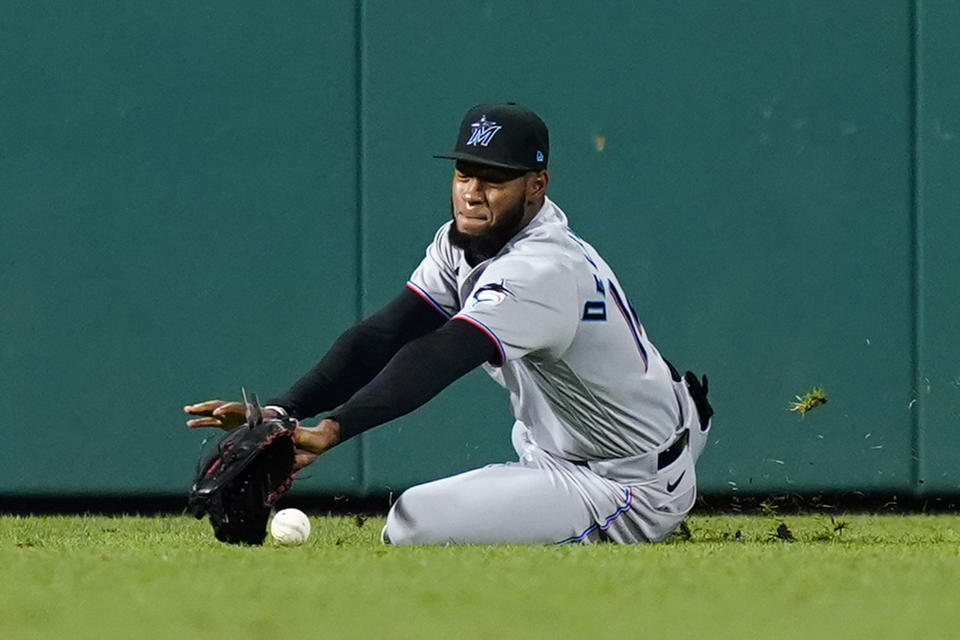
(238, 481)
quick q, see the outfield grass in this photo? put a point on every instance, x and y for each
(166, 577)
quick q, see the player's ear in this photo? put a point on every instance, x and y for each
(537, 182)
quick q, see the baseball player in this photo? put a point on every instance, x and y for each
(606, 431)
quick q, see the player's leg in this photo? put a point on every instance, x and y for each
(499, 504)
(542, 499)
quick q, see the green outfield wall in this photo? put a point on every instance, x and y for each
(774, 182)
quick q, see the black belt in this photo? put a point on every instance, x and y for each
(669, 455)
(666, 457)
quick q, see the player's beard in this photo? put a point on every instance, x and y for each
(484, 246)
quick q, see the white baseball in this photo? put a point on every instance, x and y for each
(290, 527)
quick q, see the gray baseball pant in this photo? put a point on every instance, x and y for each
(542, 499)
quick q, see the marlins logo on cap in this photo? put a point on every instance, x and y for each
(502, 135)
(482, 132)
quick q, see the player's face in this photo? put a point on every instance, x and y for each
(489, 206)
(487, 199)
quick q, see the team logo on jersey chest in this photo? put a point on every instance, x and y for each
(482, 132)
(493, 293)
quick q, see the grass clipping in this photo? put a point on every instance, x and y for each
(810, 400)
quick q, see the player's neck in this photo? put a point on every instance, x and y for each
(530, 212)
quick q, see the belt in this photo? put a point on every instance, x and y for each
(669, 455)
(664, 459)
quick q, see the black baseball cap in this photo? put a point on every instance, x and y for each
(502, 135)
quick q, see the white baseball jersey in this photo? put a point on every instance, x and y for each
(582, 374)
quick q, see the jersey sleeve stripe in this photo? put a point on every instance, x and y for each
(426, 298)
(627, 500)
(490, 334)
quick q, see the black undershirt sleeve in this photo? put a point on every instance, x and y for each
(418, 372)
(359, 354)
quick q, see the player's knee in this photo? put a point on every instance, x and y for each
(410, 520)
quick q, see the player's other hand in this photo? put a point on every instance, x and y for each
(312, 441)
(217, 413)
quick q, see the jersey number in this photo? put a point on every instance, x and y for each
(630, 317)
(595, 310)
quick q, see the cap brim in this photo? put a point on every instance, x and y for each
(468, 157)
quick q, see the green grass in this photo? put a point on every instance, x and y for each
(166, 577)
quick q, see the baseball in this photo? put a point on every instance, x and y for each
(290, 527)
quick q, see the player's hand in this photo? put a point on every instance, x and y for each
(312, 441)
(217, 413)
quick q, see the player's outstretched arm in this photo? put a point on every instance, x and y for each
(359, 354)
(354, 359)
(418, 372)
